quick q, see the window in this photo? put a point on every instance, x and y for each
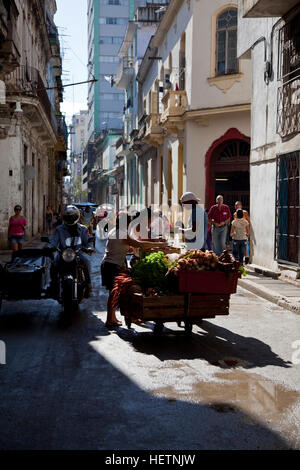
(288, 208)
(288, 104)
(123, 3)
(112, 96)
(108, 58)
(110, 40)
(117, 40)
(226, 43)
(119, 21)
(111, 115)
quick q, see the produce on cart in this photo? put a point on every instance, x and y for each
(186, 287)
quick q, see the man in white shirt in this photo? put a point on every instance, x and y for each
(196, 232)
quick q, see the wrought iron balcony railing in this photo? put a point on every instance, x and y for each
(62, 127)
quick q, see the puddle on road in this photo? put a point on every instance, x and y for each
(250, 392)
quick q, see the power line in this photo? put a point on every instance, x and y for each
(72, 84)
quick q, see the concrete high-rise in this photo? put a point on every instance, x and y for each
(107, 21)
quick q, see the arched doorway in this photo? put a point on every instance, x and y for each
(227, 170)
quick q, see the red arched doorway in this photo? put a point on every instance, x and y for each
(227, 169)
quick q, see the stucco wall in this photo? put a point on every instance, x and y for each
(266, 144)
(262, 202)
(201, 55)
(198, 139)
(9, 190)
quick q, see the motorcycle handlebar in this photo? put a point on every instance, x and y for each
(85, 250)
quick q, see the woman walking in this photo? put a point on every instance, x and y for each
(239, 233)
(117, 246)
(16, 229)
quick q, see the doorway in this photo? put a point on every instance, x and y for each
(234, 186)
(228, 170)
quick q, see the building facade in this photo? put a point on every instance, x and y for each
(78, 141)
(194, 108)
(33, 134)
(101, 181)
(138, 34)
(107, 21)
(269, 34)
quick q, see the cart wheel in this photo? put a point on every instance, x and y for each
(188, 327)
(158, 328)
(128, 322)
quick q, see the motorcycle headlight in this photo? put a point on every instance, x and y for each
(68, 255)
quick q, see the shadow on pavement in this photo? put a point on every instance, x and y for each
(59, 392)
(213, 344)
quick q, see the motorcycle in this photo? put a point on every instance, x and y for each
(30, 271)
(72, 286)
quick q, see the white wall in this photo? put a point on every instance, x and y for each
(262, 202)
(266, 144)
(198, 139)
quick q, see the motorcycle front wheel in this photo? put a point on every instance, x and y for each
(70, 305)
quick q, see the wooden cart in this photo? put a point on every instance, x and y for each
(189, 307)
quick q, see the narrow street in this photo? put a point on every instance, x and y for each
(232, 385)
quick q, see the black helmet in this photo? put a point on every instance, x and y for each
(71, 215)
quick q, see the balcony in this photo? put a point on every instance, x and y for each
(62, 128)
(151, 13)
(174, 106)
(267, 8)
(154, 131)
(27, 82)
(10, 43)
(125, 73)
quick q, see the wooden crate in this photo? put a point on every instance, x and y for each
(175, 307)
(208, 282)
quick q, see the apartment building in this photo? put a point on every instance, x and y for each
(78, 141)
(107, 21)
(194, 107)
(138, 34)
(33, 133)
(269, 35)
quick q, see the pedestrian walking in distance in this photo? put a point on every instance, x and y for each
(219, 216)
(16, 229)
(239, 233)
(238, 205)
(49, 219)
